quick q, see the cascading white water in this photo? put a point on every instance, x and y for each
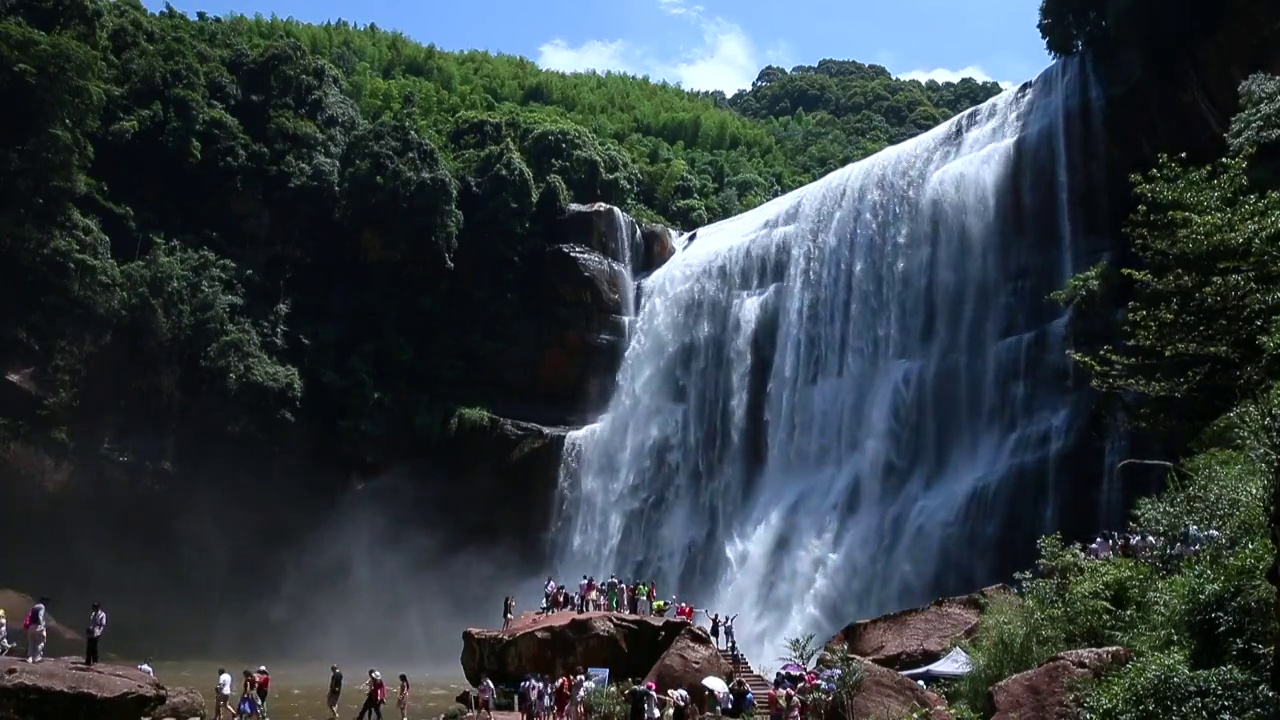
(842, 402)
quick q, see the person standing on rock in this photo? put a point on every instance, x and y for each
(715, 627)
(37, 632)
(93, 634)
(335, 691)
(508, 612)
(5, 645)
(583, 584)
(611, 593)
(730, 642)
(548, 590)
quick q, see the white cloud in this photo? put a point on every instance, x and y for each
(678, 7)
(593, 55)
(947, 75)
(724, 59)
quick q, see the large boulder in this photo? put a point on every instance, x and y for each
(62, 640)
(67, 690)
(556, 644)
(1047, 692)
(914, 638)
(691, 657)
(181, 704)
(886, 695)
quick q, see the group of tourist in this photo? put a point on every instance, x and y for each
(639, 597)
(1149, 546)
(35, 625)
(613, 595)
(255, 689)
(792, 694)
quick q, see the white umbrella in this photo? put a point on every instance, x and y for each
(715, 685)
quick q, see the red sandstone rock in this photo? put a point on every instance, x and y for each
(66, 690)
(914, 638)
(690, 658)
(554, 645)
(886, 695)
(1045, 693)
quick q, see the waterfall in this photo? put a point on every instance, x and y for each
(855, 396)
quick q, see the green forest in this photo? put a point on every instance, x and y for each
(242, 232)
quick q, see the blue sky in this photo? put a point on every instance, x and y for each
(705, 44)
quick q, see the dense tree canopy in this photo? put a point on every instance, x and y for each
(223, 227)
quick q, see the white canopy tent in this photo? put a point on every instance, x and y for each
(953, 665)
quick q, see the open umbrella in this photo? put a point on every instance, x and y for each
(715, 685)
(792, 669)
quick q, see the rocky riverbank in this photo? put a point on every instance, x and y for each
(65, 689)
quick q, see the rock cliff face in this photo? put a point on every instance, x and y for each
(569, 332)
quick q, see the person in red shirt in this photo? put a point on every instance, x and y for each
(263, 680)
(563, 694)
(376, 697)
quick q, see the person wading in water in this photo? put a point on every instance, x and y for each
(375, 697)
(335, 691)
(402, 697)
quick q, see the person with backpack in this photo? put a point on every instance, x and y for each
(37, 632)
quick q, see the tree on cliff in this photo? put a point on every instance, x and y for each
(1200, 338)
(1071, 26)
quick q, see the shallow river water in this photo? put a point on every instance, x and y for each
(298, 690)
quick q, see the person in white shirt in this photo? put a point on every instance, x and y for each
(222, 696)
(487, 693)
(93, 634)
(145, 668)
(37, 633)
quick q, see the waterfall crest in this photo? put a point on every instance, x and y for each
(853, 397)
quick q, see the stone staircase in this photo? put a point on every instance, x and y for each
(758, 685)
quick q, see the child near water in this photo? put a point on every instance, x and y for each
(402, 697)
